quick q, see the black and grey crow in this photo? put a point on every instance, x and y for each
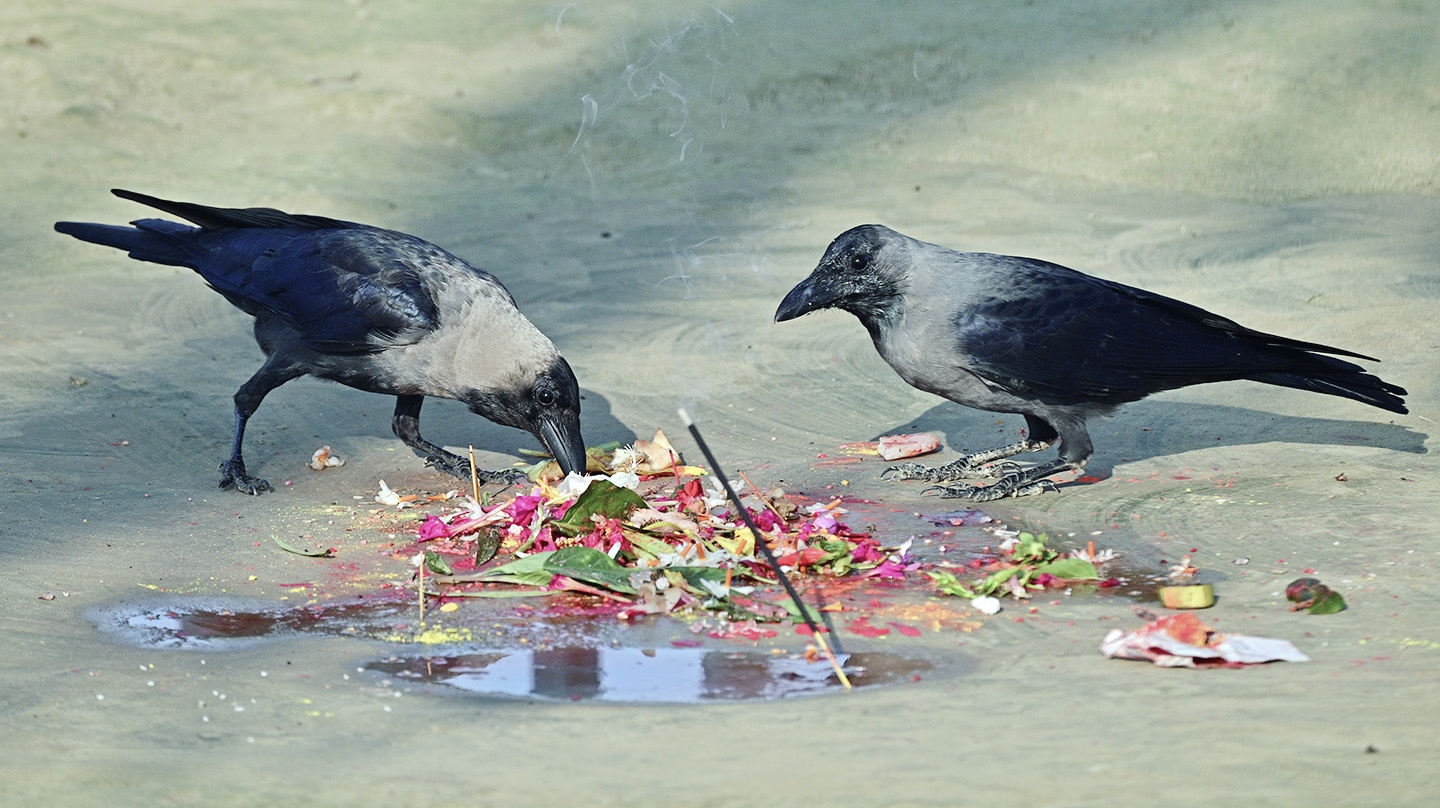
(373, 309)
(1009, 334)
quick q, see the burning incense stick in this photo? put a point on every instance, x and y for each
(765, 548)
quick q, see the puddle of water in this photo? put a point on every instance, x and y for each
(564, 673)
(215, 625)
(656, 676)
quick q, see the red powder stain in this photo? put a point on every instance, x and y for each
(908, 631)
(864, 629)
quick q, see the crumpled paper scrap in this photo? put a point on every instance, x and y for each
(897, 447)
(1182, 641)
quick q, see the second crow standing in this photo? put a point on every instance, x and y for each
(1009, 334)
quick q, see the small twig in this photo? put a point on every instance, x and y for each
(422, 591)
(765, 549)
(760, 496)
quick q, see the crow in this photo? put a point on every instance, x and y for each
(372, 309)
(1018, 335)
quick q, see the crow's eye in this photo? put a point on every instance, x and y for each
(546, 397)
(859, 262)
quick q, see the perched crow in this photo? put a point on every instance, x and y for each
(1018, 335)
(372, 309)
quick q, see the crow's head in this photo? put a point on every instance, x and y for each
(544, 401)
(863, 272)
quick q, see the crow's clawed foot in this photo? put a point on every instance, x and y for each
(457, 466)
(232, 473)
(507, 477)
(1011, 485)
(962, 469)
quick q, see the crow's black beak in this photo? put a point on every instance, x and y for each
(561, 435)
(806, 297)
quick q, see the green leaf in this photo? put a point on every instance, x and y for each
(327, 553)
(647, 544)
(693, 575)
(590, 566)
(527, 571)
(601, 497)
(995, 580)
(789, 605)
(1328, 603)
(436, 564)
(948, 584)
(1071, 569)
(1031, 549)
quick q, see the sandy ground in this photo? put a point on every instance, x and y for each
(649, 178)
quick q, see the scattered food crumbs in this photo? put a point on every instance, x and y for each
(324, 459)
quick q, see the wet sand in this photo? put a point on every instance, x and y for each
(649, 179)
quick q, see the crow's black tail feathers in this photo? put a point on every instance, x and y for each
(1336, 377)
(154, 240)
(220, 218)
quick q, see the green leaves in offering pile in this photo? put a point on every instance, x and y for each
(604, 498)
(436, 564)
(593, 567)
(591, 536)
(1033, 566)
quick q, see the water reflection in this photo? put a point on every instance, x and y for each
(655, 675)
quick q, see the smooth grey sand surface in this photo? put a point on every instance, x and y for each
(649, 178)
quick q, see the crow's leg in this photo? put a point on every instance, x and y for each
(1039, 435)
(271, 375)
(406, 424)
(1075, 451)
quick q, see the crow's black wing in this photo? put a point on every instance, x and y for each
(1063, 337)
(346, 288)
(347, 291)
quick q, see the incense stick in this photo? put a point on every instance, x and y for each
(819, 588)
(474, 475)
(765, 548)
